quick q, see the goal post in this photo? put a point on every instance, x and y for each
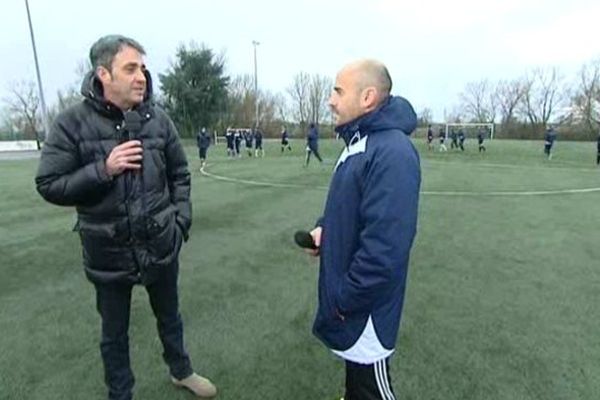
(472, 126)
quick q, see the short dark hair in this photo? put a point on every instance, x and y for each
(102, 53)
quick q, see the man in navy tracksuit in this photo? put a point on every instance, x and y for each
(229, 139)
(549, 139)
(248, 139)
(258, 146)
(312, 144)
(237, 139)
(366, 232)
(203, 142)
(461, 139)
(480, 138)
(429, 138)
(454, 143)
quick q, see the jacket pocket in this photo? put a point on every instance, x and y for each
(99, 229)
(165, 240)
(102, 245)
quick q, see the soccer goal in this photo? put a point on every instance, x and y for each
(219, 139)
(471, 129)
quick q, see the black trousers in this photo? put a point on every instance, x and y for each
(309, 151)
(113, 302)
(369, 382)
(202, 152)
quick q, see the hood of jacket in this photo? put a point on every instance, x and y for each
(395, 113)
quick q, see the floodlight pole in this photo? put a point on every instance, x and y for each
(255, 43)
(39, 80)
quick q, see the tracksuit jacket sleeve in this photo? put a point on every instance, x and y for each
(178, 177)
(388, 210)
(61, 179)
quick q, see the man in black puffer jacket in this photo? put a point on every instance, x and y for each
(117, 158)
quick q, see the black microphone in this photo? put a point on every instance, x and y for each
(305, 240)
(133, 123)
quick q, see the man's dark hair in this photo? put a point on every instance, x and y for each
(102, 53)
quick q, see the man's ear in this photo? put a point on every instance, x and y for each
(369, 98)
(103, 74)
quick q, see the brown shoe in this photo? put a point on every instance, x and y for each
(197, 384)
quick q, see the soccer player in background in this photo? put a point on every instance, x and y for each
(203, 142)
(248, 138)
(229, 140)
(461, 139)
(237, 139)
(429, 138)
(285, 140)
(480, 139)
(549, 139)
(258, 143)
(312, 144)
(442, 138)
(454, 143)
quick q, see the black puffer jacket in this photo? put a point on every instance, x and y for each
(130, 226)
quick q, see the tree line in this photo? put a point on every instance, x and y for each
(523, 107)
(196, 92)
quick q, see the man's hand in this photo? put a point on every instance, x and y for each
(127, 155)
(316, 235)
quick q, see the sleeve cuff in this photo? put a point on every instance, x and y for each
(103, 176)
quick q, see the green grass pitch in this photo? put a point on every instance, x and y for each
(503, 298)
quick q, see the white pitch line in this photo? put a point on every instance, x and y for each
(424, 192)
(513, 193)
(259, 183)
(508, 166)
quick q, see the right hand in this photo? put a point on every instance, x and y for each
(127, 155)
(316, 235)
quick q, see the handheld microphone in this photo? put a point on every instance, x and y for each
(133, 123)
(305, 240)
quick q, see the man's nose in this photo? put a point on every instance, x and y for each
(140, 76)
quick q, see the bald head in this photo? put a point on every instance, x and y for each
(360, 87)
(370, 73)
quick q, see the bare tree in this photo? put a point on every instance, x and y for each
(542, 96)
(586, 100)
(508, 96)
(425, 116)
(270, 106)
(24, 108)
(479, 102)
(319, 91)
(299, 92)
(241, 104)
(282, 107)
(7, 124)
(453, 116)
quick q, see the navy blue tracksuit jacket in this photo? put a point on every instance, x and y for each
(369, 224)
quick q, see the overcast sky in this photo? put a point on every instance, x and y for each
(431, 47)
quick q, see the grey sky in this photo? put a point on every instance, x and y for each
(431, 47)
